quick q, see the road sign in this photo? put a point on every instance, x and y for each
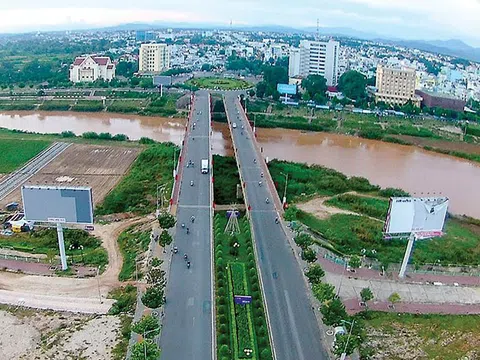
(242, 299)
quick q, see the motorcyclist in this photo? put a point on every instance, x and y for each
(175, 249)
(188, 264)
(259, 183)
(254, 161)
(276, 220)
(185, 256)
(183, 225)
(266, 200)
(188, 230)
(192, 218)
(261, 175)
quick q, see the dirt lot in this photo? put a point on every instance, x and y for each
(100, 167)
(33, 334)
(317, 207)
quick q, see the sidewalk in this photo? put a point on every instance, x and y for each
(411, 278)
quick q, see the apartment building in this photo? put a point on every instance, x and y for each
(396, 86)
(91, 68)
(315, 58)
(154, 58)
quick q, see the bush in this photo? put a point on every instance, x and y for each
(68, 134)
(323, 292)
(146, 141)
(392, 192)
(303, 240)
(90, 135)
(105, 136)
(333, 312)
(147, 325)
(120, 137)
(126, 298)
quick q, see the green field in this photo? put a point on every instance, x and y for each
(137, 190)
(45, 242)
(15, 153)
(218, 83)
(132, 243)
(408, 336)
(369, 206)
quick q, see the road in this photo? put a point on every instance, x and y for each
(19, 177)
(188, 323)
(294, 328)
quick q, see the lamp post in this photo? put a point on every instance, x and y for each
(344, 354)
(145, 343)
(285, 190)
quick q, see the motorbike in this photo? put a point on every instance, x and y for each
(267, 201)
(185, 256)
(188, 231)
(259, 183)
(188, 264)
(276, 220)
(193, 219)
(175, 250)
(191, 182)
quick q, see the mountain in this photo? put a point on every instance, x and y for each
(452, 47)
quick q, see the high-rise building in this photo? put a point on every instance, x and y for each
(154, 58)
(315, 58)
(396, 86)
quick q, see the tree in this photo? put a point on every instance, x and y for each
(315, 86)
(291, 213)
(153, 297)
(324, 292)
(355, 262)
(315, 274)
(261, 88)
(303, 240)
(309, 255)
(147, 325)
(165, 238)
(156, 276)
(166, 220)
(340, 343)
(145, 347)
(366, 295)
(352, 84)
(333, 312)
(251, 93)
(394, 298)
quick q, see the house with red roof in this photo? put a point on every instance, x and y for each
(90, 68)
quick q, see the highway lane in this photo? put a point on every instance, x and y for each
(188, 326)
(294, 328)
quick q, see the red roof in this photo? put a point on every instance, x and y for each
(78, 61)
(101, 60)
(332, 88)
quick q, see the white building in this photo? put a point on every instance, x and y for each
(91, 68)
(154, 58)
(315, 58)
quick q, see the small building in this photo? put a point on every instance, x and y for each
(91, 68)
(440, 100)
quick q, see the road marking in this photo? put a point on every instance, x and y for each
(190, 301)
(194, 206)
(293, 326)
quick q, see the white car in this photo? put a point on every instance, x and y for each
(234, 125)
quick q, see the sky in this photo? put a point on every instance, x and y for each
(403, 19)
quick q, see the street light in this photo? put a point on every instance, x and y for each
(344, 354)
(285, 191)
(144, 341)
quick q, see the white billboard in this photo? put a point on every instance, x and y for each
(422, 216)
(54, 204)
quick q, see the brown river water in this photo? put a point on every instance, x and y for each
(389, 165)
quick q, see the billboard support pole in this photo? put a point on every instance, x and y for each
(61, 245)
(406, 257)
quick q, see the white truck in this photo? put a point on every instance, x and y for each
(204, 166)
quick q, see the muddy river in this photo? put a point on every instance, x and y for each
(389, 165)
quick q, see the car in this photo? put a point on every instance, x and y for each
(234, 125)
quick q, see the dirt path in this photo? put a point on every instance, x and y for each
(318, 208)
(70, 294)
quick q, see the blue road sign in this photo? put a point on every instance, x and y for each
(242, 299)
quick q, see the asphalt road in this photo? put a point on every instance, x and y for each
(187, 326)
(295, 332)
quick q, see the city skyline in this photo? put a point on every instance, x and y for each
(407, 19)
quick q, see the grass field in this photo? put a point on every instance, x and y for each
(219, 83)
(16, 153)
(369, 206)
(407, 336)
(45, 242)
(349, 234)
(132, 243)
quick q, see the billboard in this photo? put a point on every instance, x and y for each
(162, 80)
(287, 89)
(70, 205)
(422, 216)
